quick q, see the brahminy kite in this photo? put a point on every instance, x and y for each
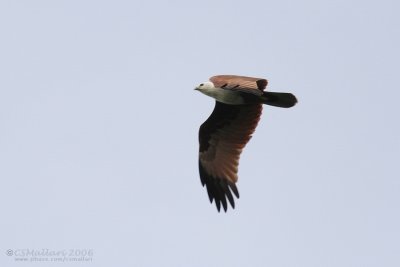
(225, 133)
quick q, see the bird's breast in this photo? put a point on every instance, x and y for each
(226, 96)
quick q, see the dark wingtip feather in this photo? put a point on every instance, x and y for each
(218, 189)
(262, 83)
(234, 189)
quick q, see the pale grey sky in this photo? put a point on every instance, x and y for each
(99, 122)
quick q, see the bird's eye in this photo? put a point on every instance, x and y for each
(201, 84)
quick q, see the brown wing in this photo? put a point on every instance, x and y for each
(240, 83)
(222, 137)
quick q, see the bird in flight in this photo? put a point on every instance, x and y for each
(225, 133)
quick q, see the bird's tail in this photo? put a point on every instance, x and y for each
(282, 100)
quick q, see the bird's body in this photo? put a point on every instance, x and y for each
(225, 96)
(224, 134)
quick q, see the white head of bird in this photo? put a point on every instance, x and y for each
(207, 88)
(220, 94)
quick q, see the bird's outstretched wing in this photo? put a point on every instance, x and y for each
(222, 137)
(240, 83)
